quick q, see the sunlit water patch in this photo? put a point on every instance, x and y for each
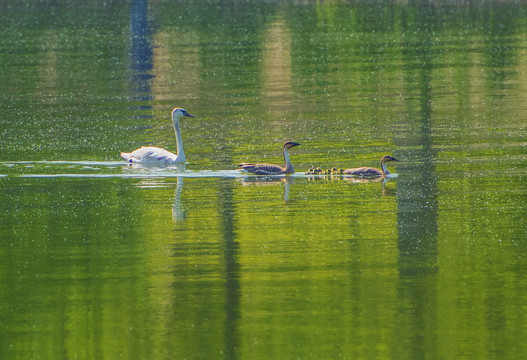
(102, 169)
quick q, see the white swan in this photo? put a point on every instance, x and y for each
(155, 155)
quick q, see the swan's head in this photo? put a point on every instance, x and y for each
(290, 144)
(387, 158)
(177, 112)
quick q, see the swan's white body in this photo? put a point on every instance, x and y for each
(155, 155)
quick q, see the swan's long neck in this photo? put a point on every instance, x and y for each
(288, 166)
(179, 141)
(384, 168)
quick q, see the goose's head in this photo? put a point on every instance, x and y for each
(290, 144)
(177, 112)
(387, 158)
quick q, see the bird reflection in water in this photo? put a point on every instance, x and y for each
(179, 210)
(269, 180)
(385, 190)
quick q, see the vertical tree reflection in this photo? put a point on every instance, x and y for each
(417, 203)
(140, 54)
(226, 209)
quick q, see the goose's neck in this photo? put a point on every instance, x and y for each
(288, 166)
(179, 141)
(384, 168)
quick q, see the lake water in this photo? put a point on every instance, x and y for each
(103, 260)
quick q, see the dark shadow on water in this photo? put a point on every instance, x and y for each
(141, 57)
(227, 213)
(417, 205)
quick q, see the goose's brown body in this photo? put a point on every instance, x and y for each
(371, 171)
(272, 169)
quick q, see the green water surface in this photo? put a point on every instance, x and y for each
(103, 260)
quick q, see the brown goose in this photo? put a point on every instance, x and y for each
(371, 171)
(271, 169)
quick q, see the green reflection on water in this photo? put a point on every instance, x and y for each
(195, 267)
(105, 260)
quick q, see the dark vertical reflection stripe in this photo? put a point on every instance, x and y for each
(416, 196)
(227, 211)
(140, 53)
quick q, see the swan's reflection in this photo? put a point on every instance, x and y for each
(179, 210)
(270, 180)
